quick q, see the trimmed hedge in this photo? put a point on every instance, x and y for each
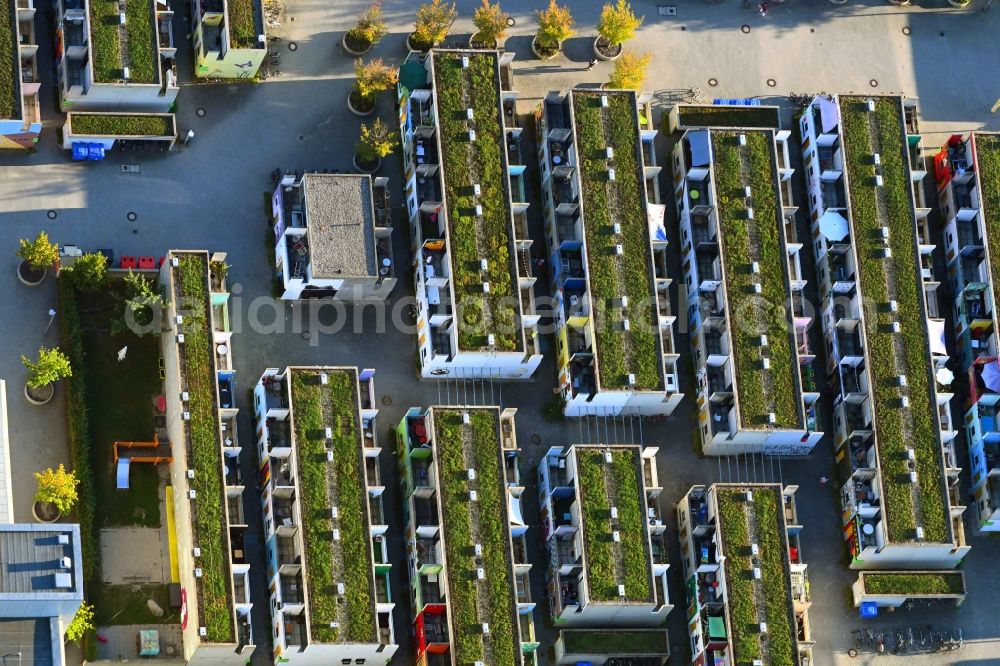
(501, 646)
(10, 95)
(191, 277)
(242, 25)
(615, 643)
(602, 554)
(898, 428)
(623, 200)
(466, 163)
(113, 124)
(913, 583)
(728, 116)
(105, 51)
(760, 391)
(314, 406)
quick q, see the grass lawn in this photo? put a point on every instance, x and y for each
(126, 604)
(119, 399)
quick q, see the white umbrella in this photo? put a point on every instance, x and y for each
(991, 376)
(833, 225)
(945, 376)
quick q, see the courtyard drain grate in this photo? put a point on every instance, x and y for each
(771, 83)
(131, 216)
(511, 21)
(386, 400)
(200, 112)
(745, 29)
(713, 82)
(906, 30)
(666, 10)
(292, 46)
(873, 83)
(131, 168)
(535, 438)
(51, 214)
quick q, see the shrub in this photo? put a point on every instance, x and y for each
(433, 22)
(82, 622)
(141, 308)
(89, 272)
(555, 25)
(491, 22)
(51, 366)
(39, 253)
(370, 27)
(57, 487)
(375, 142)
(618, 24)
(629, 72)
(373, 78)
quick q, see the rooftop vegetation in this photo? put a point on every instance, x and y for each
(913, 582)
(473, 238)
(10, 94)
(741, 524)
(988, 167)
(242, 24)
(105, 34)
(617, 643)
(891, 355)
(121, 124)
(729, 116)
(605, 202)
(464, 524)
(204, 449)
(609, 563)
(322, 486)
(744, 241)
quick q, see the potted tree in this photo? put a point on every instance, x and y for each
(51, 366)
(555, 25)
(433, 22)
(56, 494)
(616, 26)
(89, 272)
(491, 26)
(37, 256)
(369, 29)
(375, 142)
(629, 72)
(370, 79)
(141, 309)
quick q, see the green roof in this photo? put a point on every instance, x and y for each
(243, 24)
(489, 236)
(10, 62)
(610, 563)
(620, 643)
(142, 56)
(472, 602)
(611, 275)
(740, 524)
(765, 117)
(913, 582)
(204, 448)
(121, 124)
(323, 485)
(988, 168)
(904, 505)
(745, 241)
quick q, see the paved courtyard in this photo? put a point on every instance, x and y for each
(210, 195)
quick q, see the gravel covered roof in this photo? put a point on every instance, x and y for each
(341, 226)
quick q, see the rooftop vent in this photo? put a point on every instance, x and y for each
(190, 473)
(480, 573)
(614, 512)
(870, 105)
(198, 572)
(466, 418)
(486, 628)
(192, 494)
(473, 496)
(478, 549)
(125, 73)
(336, 534)
(196, 551)
(465, 62)
(902, 380)
(63, 539)
(887, 253)
(893, 306)
(186, 416)
(617, 227)
(341, 588)
(763, 341)
(203, 632)
(920, 532)
(175, 262)
(757, 573)
(624, 301)
(749, 213)
(65, 563)
(477, 190)
(904, 401)
(765, 363)
(486, 287)
(184, 396)
(470, 474)
(621, 591)
(911, 454)
(472, 135)
(755, 267)
(491, 340)
(631, 379)
(877, 159)
(743, 139)
(626, 325)
(63, 580)
(913, 477)
(757, 287)
(469, 113)
(484, 264)
(180, 338)
(604, 101)
(609, 152)
(329, 456)
(611, 174)
(748, 496)
(896, 327)
(121, 18)
(335, 625)
(179, 319)
(616, 536)
(334, 512)
(479, 210)
(754, 549)
(619, 249)
(878, 180)
(607, 456)
(763, 627)
(772, 418)
(746, 191)
(324, 378)
(885, 233)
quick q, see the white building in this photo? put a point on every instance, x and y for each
(112, 59)
(747, 316)
(328, 566)
(969, 197)
(200, 387)
(333, 237)
(745, 579)
(607, 250)
(20, 115)
(464, 182)
(606, 541)
(893, 432)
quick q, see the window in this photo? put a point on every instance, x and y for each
(810, 169)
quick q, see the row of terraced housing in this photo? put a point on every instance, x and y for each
(116, 66)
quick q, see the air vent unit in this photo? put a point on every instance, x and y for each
(477, 190)
(604, 101)
(878, 180)
(336, 534)
(870, 105)
(913, 477)
(192, 494)
(465, 62)
(626, 325)
(472, 135)
(484, 264)
(920, 533)
(466, 418)
(197, 572)
(611, 174)
(621, 591)
(765, 363)
(896, 328)
(877, 159)
(772, 418)
(334, 512)
(617, 228)
(341, 588)
(329, 456)
(486, 628)
(324, 378)
(614, 512)
(469, 114)
(491, 340)
(757, 573)
(763, 341)
(631, 379)
(743, 139)
(904, 401)
(486, 287)
(749, 213)
(470, 474)
(190, 473)
(196, 551)
(902, 380)
(473, 496)
(755, 267)
(607, 456)
(480, 573)
(180, 338)
(616, 536)
(763, 627)
(609, 152)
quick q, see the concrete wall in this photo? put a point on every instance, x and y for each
(237, 64)
(119, 97)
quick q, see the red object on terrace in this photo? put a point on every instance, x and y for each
(161, 403)
(147, 263)
(128, 261)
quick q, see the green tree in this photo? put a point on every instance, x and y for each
(57, 487)
(491, 22)
(89, 272)
(140, 307)
(51, 366)
(371, 26)
(40, 253)
(433, 22)
(630, 71)
(618, 23)
(372, 78)
(376, 141)
(82, 622)
(555, 25)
